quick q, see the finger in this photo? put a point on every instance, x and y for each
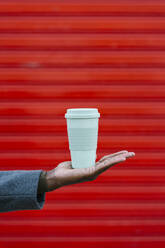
(129, 154)
(106, 164)
(112, 155)
(124, 154)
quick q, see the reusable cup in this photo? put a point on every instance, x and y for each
(82, 129)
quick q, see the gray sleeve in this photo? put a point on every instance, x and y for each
(18, 190)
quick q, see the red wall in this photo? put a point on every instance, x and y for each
(108, 55)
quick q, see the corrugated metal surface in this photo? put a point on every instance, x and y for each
(110, 55)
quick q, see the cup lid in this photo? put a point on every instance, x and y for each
(82, 113)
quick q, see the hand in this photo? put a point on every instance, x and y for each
(64, 174)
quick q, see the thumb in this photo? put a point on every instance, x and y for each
(66, 164)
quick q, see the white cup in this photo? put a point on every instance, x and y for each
(82, 129)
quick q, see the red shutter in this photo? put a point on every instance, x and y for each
(108, 55)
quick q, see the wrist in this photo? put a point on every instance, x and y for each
(43, 184)
(52, 181)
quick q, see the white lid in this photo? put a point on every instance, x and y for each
(82, 113)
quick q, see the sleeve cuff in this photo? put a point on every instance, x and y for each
(39, 197)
